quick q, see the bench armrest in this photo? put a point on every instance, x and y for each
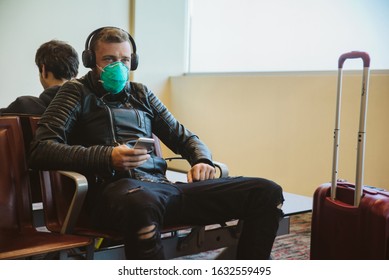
(80, 191)
(63, 203)
(223, 168)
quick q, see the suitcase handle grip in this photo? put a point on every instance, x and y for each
(345, 207)
(355, 54)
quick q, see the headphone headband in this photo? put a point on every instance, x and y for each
(89, 56)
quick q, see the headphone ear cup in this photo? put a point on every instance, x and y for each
(134, 61)
(88, 58)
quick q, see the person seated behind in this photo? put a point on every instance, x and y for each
(57, 62)
(90, 127)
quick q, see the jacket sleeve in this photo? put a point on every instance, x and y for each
(50, 149)
(175, 136)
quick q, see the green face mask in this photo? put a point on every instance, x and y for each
(114, 77)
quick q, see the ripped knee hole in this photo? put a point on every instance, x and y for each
(147, 232)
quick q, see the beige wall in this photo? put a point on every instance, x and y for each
(280, 126)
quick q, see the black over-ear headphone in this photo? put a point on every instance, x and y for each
(89, 57)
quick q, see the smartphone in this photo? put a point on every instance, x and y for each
(145, 143)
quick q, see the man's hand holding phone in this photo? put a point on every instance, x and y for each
(124, 158)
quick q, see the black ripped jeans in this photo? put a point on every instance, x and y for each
(128, 205)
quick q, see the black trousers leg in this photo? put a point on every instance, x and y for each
(256, 201)
(129, 205)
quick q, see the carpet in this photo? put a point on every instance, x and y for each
(292, 246)
(296, 244)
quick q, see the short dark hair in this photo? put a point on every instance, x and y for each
(59, 58)
(109, 35)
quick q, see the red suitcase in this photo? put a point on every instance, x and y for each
(350, 221)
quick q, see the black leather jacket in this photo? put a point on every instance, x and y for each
(82, 125)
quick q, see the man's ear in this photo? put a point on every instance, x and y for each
(44, 73)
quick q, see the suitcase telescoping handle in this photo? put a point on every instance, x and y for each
(355, 54)
(362, 125)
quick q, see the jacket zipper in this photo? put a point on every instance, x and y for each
(115, 142)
